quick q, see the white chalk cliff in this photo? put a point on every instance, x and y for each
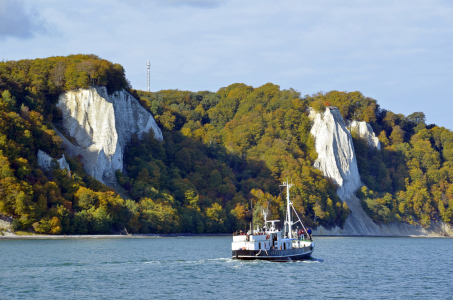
(337, 160)
(45, 161)
(365, 131)
(336, 155)
(101, 125)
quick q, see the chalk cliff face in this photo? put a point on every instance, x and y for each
(336, 155)
(101, 125)
(364, 130)
(337, 160)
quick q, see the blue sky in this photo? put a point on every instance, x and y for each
(397, 52)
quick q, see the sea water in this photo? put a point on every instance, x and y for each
(202, 268)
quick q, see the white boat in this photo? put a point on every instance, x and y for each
(273, 244)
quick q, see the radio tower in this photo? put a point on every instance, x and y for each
(148, 65)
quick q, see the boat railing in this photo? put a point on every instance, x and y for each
(248, 233)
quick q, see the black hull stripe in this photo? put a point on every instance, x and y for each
(259, 257)
(272, 257)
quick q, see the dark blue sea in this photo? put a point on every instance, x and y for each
(202, 268)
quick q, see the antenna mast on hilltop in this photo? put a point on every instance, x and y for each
(148, 65)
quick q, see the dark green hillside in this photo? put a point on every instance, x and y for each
(223, 150)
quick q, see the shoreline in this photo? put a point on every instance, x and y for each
(110, 236)
(173, 235)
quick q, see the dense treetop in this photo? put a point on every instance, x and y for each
(38, 83)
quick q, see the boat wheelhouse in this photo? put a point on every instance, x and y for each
(270, 243)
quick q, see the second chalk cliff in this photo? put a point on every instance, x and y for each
(337, 160)
(336, 155)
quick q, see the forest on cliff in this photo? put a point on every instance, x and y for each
(222, 153)
(411, 178)
(51, 201)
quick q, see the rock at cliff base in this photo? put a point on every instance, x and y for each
(45, 161)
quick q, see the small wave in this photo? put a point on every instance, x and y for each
(66, 264)
(113, 262)
(313, 260)
(210, 260)
(220, 259)
(188, 261)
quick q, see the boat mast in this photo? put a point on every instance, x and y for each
(288, 209)
(251, 223)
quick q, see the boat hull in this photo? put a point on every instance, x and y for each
(274, 255)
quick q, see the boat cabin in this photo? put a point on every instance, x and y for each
(267, 241)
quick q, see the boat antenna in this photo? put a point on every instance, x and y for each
(148, 66)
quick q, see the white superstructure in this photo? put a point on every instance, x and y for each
(270, 243)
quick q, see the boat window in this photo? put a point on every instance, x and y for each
(259, 246)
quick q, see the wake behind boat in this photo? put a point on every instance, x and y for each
(273, 244)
